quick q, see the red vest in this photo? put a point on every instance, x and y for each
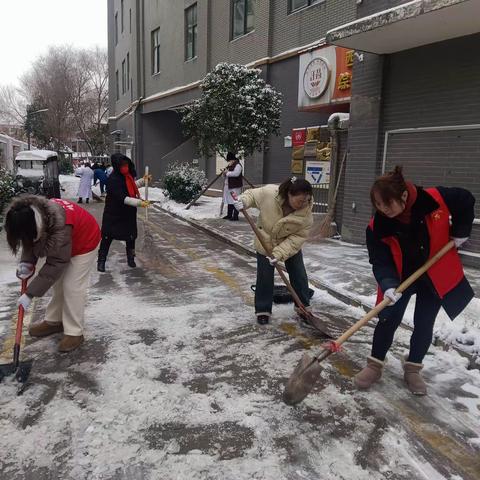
(86, 232)
(447, 273)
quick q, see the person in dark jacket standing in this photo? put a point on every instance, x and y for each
(120, 214)
(410, 226)
(233, 183)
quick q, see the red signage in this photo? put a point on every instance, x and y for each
(299, 137)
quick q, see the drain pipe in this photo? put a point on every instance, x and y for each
(134, 125)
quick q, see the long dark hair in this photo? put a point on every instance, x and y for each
(20, 227)
(389, 187)
(294, 186)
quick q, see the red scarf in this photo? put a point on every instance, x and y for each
(131, 185)
(406, 215)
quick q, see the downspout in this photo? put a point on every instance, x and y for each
(135, 130)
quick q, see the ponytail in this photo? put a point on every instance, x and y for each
(295, 186)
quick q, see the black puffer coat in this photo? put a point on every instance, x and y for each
(119, 220)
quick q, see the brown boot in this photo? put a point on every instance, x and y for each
(69, 343)
(413, 379)
(370, 374)
(44, 329)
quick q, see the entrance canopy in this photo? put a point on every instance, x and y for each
(410, 25)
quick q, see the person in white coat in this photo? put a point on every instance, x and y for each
(233, 183)
(86, 181)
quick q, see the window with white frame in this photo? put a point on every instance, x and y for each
(156, 51)
(298, 4)
(115, 32)
(122, 16)
(243, 17)
(191, 32)
(130, 19)
(117, 85)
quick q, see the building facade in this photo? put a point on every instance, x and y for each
(410, 83)
(161, 51)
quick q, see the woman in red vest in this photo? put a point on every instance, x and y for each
(67, 236)
(410, 225)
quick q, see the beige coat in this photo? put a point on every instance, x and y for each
(284, 235)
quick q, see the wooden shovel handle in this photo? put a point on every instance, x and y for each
(402, 287)
(204, 190)
(296, 299)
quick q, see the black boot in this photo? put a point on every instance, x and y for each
(101, 262)
(230, 209)
(86, 200)
(131, 258)
(235, 214)
(263, 319)
(80, 200)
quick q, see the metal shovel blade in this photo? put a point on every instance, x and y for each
(21, 373)
(302, 380)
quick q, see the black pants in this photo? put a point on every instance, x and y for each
(264, 287)
(105, 246)
(427, 306)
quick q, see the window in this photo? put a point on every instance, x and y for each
(117, 85)
(242, 17)
(121, 14)
(124, 77)
(116, 28)
(130, 19)
(128, 71)
(298, 4)
(156, 51)
(191, 32)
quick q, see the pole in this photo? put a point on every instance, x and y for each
(146, 191)
(204, 190)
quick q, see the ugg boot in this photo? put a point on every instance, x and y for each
(370, 374)
(70, 343)
(131, 258)
(413, 379)
(44, 329)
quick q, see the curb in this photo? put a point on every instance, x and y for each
(474, 360)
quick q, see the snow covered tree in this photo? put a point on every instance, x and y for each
(236, 112)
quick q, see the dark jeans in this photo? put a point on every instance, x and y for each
(102, 187)
(105, 246)
(427, 306)
(264, 287)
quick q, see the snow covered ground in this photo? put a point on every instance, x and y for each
(176, 382)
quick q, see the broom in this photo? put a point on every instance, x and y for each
(326, 225)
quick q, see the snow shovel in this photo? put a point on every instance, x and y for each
(204, 190)
(21, 370)
(308, 316)
(306, 373)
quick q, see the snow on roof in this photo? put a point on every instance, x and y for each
(35, 155)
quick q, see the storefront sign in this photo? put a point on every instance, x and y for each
(316, 77)
(317, 173)
(325, 77)
(299, 136)
(297, 167)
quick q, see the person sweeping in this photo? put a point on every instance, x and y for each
(67, 236)
(285, 221)
(233, 183)
(120, 214)
(410, 225)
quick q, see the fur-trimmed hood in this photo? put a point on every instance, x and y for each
(49, 219)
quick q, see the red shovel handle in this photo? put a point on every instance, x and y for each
(18, 333)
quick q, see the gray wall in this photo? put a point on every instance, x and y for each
(417, 90)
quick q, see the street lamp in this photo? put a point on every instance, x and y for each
(28, 122)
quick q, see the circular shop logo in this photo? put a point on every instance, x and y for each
(316, 77)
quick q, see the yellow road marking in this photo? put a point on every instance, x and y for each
(7, 350)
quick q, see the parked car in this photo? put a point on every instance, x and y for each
(37, 172)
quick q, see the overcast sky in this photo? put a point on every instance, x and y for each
(29, 27)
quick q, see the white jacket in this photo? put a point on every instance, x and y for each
(284, 235)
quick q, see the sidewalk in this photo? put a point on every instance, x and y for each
(340, 268)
